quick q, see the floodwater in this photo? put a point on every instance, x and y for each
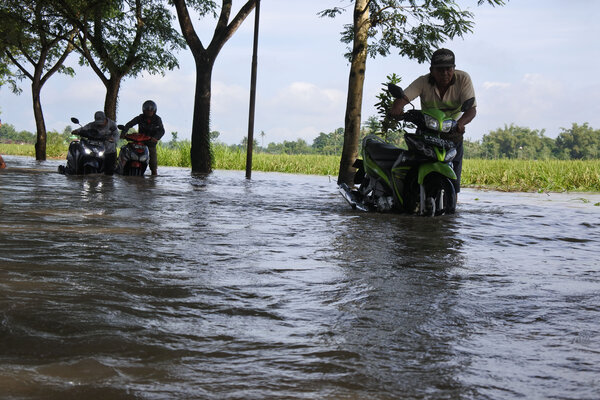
(218, 287)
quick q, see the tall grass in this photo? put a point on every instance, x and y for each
(503, 174)
(53, 149)
(312, 164)
(533, 175)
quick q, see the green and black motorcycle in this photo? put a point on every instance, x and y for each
(414, 180)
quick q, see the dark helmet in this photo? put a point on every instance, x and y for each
(149, 105)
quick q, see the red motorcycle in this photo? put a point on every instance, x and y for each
(134, 156)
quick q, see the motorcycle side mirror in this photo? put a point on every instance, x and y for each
(468, 104)
(74, 120)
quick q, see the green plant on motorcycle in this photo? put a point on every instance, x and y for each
(391, 129)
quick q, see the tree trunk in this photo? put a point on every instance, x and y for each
(201, 154)
(355, 92)
(112, 96)
(40, 144)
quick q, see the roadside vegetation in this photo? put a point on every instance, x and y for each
(509, 159)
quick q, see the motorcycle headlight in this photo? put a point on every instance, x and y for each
(100, 153)
(431, 122)
(447, 125)
(87, 151)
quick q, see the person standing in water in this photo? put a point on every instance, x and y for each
(151, 125)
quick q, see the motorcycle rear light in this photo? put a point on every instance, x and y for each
(135, 164)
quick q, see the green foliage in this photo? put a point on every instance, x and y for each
(578, 143)
(8, 134)
(532, 175)
(517, 142)
(388, 124)
(123, 37)
(414, 27)
(8, 76)
(33, 41)
(329, 143)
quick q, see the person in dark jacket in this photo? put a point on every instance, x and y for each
(107, 129)
(151, 125)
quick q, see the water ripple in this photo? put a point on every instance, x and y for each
(216, 287)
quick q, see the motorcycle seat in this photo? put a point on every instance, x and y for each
(384, 154)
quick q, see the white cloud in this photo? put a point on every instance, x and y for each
(494, 85)
(307, 97)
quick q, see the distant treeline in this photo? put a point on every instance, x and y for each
(580, 142)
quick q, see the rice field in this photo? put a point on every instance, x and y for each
(533, 175)
(502, 174)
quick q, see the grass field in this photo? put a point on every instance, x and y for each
(503, 174)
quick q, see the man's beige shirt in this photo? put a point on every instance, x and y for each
(460, 90)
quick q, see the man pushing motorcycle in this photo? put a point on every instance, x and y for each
(447, 89)
(151, 125)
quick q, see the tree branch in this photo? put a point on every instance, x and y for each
(187, 28)
(16, 62)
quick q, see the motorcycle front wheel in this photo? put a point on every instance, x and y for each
(441, 190)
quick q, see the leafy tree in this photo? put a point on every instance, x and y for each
(329, 143)
(517, 142)
(274, 148)
(262, 138)
(214, 136)
(7, 76)
(205, 58)
(245, 143)
(472, 149)
(372, 125)
(8, 134)
(33, 45)
(122, 38)
(413, 27)
(578, 142)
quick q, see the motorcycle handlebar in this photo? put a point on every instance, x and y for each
(90, 134)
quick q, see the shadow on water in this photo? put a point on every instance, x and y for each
(217, 287)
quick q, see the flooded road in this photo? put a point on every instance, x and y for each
(183, 287)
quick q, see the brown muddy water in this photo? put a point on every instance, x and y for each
(183, 287)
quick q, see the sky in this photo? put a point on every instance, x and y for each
(534, 64)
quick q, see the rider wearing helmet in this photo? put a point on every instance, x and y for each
(151, 125)
(107, 129)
